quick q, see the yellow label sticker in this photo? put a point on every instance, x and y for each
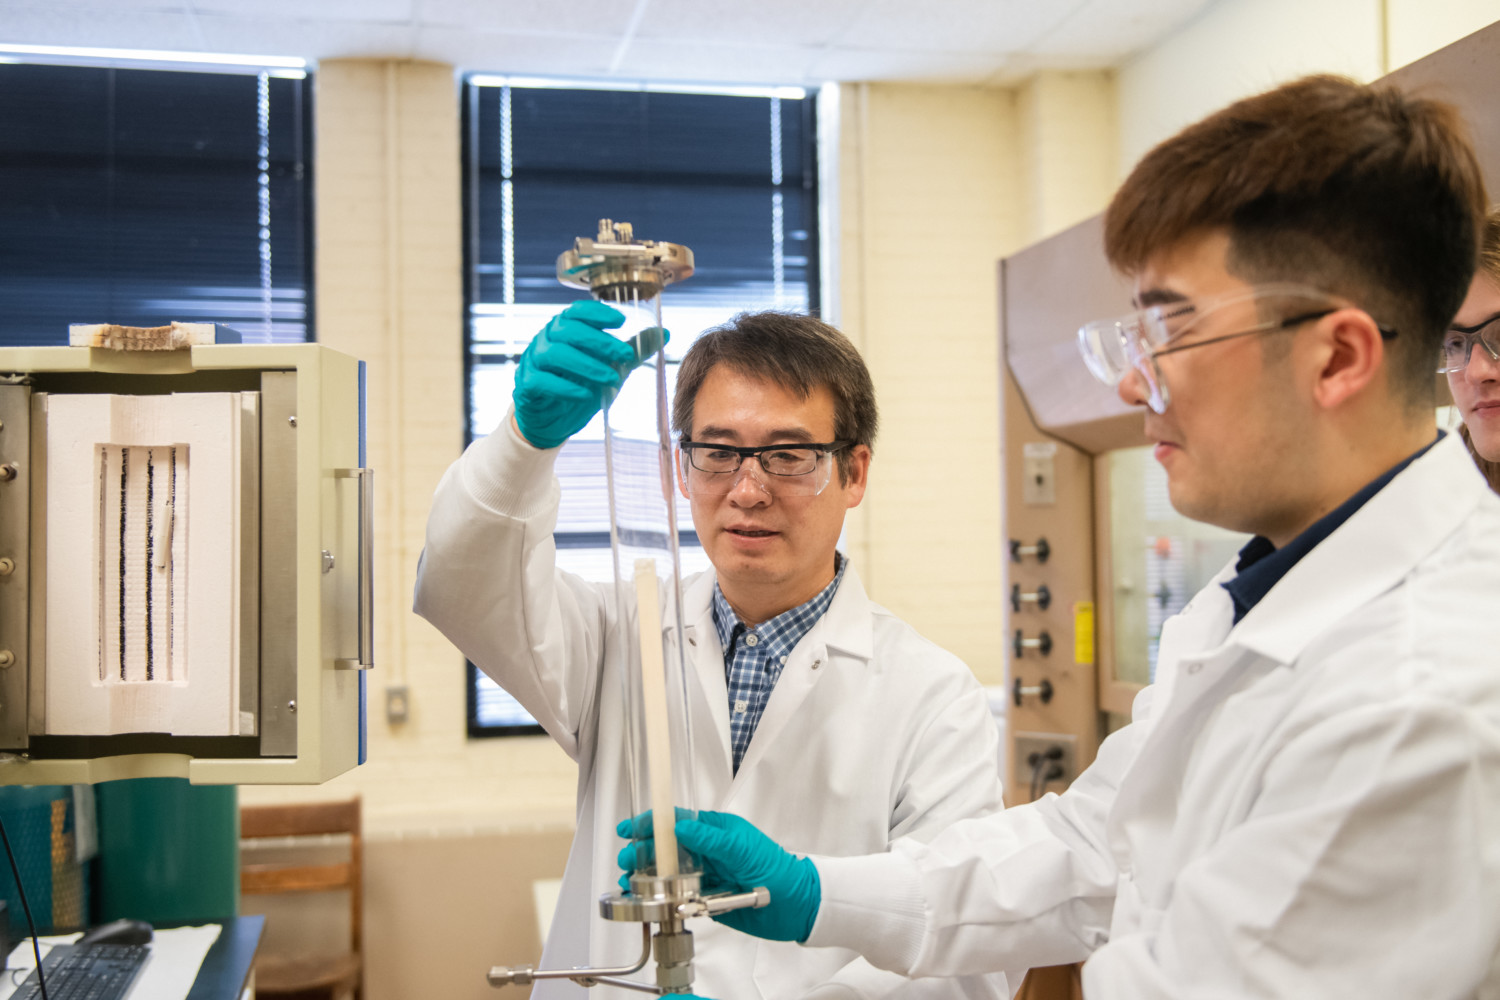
(1083, 632)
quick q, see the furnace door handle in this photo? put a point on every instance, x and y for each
(366, 570)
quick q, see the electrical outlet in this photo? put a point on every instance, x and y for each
(1046, 762)
(396, 703)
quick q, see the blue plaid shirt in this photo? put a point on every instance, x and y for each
(753, 657)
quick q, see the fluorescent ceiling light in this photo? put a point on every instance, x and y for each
(554, 83)
(157, 56)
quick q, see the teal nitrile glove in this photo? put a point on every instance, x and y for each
(737, 857)
(572, 368)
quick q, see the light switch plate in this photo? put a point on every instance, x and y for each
(396, 704)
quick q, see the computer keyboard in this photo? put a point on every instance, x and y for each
(86, 972)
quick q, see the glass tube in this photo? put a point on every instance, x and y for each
(648, 585)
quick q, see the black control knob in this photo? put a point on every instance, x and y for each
(1042, 643)
(1042, 691)
(1042, 598)
(1041, 550)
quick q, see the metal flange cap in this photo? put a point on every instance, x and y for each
(615, 265)
(651, 898)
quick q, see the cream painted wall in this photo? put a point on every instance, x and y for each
(1066, 144)
(1240, 47)
(1235, 48)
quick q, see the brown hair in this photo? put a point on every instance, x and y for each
(793, 350)
(1362, 191)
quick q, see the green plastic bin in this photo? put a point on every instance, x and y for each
(168, 851)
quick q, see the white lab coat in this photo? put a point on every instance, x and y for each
(1306, 805)
(871, 733)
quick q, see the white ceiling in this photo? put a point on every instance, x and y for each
(795, 42)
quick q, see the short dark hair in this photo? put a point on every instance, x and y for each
(1360, 190)
(793, 350)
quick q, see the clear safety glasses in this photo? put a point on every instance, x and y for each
(800, 470)
(1459, 341)
(1113, 348)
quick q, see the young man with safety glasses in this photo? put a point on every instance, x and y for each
(1307, 801)
(831, 722)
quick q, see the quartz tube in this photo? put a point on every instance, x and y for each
(644, 543)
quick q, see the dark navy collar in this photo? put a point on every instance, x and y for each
(1262, 565)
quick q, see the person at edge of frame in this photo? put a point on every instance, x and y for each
(1306, 803)
(831, 722)
(1471, 357)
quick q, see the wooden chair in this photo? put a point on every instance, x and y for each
(304, 977)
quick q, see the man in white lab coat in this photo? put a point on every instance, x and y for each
(829, 721)
(1307, 802)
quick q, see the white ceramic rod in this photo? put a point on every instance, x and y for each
(654, 708)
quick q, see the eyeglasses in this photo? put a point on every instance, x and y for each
(1459, 341)
(1113, 348)
(795, 470)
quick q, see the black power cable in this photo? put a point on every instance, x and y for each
(26, 908)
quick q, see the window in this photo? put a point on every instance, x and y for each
(730, 174)
(142, 196)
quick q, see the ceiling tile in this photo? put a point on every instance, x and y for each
(1102, 30)
(106, 27)
(21, 8)
(885, 64)
(994, 26)
(770, 22)
(378, 11)
(311, 39)
(706, 62)
(533, 54)
(577, 17)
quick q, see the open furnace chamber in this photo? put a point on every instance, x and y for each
(185, 571)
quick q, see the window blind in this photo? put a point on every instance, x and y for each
(144, 196)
